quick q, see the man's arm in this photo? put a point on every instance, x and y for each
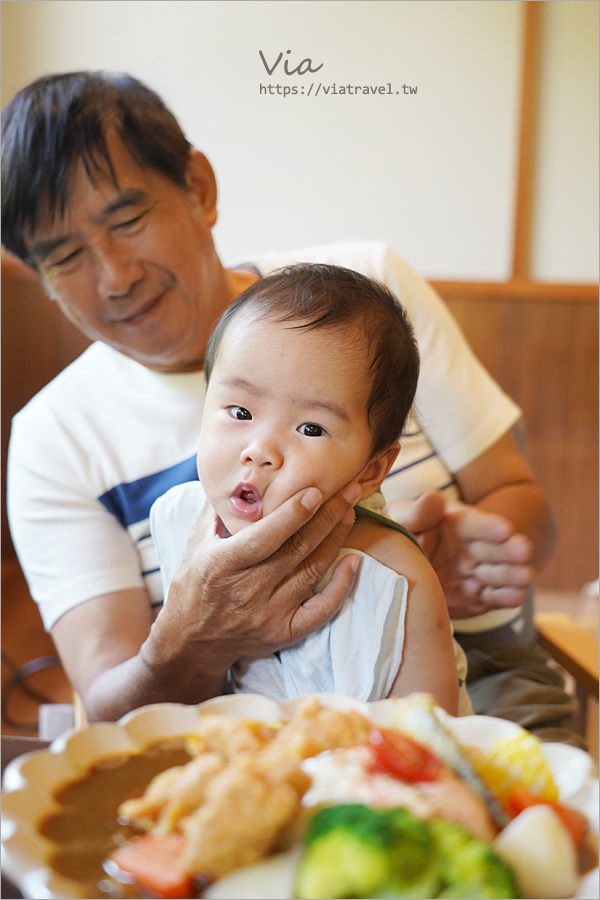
(485, 549)
(247, 595)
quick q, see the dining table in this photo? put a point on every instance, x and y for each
(573, 643)
(560, 637)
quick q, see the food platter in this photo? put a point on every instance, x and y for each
(30, 781)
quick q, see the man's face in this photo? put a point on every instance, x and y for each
(285, 409)
(135, 265)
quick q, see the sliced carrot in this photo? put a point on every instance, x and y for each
(152, 860)
(574, 821)
(401, 756)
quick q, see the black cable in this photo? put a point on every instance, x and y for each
(16, 680)
(29, 691)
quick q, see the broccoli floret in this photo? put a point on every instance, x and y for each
(355, 851)
(471, 868)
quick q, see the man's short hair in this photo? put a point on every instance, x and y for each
(60, 119)
(336, 298)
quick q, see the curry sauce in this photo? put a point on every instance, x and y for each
(88, 826)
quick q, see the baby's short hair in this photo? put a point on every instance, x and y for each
(336, 298)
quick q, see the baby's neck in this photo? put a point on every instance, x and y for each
(222, 531)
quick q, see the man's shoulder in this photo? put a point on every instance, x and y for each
(89, 382)
(365, 256)
(376, 259)
(98, 361)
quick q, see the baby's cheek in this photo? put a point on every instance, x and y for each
(208, 470)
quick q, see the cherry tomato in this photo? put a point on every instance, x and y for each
(401, 756)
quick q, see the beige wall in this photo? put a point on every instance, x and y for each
(565, 228)
(432, 173)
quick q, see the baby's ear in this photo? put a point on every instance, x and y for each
(376, 469)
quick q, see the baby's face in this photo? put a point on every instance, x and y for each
(285, 409)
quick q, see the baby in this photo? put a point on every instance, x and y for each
(310, 376)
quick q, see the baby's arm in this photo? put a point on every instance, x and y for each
(428, 661)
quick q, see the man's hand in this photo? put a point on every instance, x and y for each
(250, 594)
(481, 562)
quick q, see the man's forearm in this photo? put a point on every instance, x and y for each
(525, 506)
(149, 677)
(500, 481)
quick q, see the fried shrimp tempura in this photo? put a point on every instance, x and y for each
(189, 791)
(317, 728)
(229, 737)
(240, 820)
(241, 792)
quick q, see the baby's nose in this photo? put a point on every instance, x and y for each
(262, 453)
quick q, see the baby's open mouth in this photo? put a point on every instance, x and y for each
(246, 501)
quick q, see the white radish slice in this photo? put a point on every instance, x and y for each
(270, 879)
(541, 853)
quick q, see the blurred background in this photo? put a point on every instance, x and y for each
(477, 162)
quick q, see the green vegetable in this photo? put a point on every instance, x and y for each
(471, 867)
(355, 851)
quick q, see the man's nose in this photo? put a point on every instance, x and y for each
(263, 451)
(117, 270)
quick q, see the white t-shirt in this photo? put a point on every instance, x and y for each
(92, 451)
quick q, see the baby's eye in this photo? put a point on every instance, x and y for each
(311, 430)
(238, 412)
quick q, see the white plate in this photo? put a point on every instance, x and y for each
(30, 780)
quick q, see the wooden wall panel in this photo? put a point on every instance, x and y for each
(545, 355)
(37, 343)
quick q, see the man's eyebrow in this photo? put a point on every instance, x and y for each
(303, 403)
(130, 197)
(43, 248)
